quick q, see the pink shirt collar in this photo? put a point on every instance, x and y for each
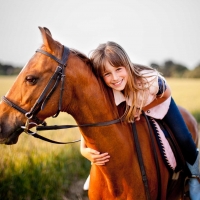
(157, 112)
(119, 98)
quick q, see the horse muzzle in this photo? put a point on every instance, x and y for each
(12, 138)
(9, 133)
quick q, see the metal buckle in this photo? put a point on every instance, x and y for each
(26, 127)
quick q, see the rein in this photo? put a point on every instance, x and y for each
(56, 127)
(141, 162)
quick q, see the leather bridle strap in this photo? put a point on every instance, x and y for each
(49, 140)
(63, 64)
(64, 59)
(55, 127)
(16, 107)
(41, 101)
(58, 75)
(155, 157)
(37, 106)
(140, 160)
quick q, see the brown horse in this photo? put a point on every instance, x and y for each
(88, 100)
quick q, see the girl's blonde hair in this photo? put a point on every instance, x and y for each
(116, 56)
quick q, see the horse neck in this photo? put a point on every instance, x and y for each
(90, 100)
(92, 104)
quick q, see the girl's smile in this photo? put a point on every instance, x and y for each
(115, 77)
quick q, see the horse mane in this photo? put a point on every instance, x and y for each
(108, 94)
(83, 57)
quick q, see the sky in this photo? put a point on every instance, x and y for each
(151, 31)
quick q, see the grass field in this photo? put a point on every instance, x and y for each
(33, 169)
(186, 93)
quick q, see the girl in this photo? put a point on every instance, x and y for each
(143, 88)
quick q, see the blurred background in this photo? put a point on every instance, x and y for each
(150, 31)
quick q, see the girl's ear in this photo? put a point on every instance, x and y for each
(48, 41)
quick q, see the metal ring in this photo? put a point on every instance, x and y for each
(27, 115)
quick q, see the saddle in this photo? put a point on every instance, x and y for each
(168, 145)
(171, 155)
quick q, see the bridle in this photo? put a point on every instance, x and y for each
(56, 78)
(46, 93)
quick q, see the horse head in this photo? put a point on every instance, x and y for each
(27, 89)
(30, 84)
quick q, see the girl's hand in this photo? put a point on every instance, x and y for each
(94, 156)
(137, 118)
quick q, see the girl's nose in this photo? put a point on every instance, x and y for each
(114, 76)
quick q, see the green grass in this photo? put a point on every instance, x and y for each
(40, 176)
(186, 93)
(33, 169)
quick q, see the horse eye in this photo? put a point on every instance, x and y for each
(31, 80)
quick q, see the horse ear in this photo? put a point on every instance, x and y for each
(47, 31)
(48, 41)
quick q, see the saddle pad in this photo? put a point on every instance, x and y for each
(165, 148)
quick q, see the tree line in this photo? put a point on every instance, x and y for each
(171, 69)
(168, 69)
(6, 69)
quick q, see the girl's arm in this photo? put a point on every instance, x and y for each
(160, 99)
(94, 156)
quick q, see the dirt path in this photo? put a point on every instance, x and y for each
(76, 191)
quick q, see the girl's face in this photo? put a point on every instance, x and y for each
(115, 77)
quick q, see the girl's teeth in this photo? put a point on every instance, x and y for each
(117, 83)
